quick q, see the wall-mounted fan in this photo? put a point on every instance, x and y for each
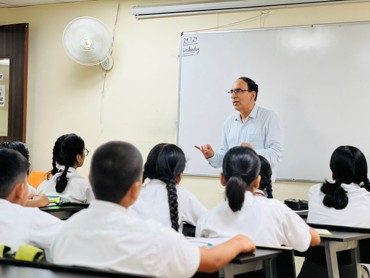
(88, 42)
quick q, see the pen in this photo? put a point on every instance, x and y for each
(202, 244)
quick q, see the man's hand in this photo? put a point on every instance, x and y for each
(206, 150)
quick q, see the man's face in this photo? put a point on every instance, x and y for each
(244, 100)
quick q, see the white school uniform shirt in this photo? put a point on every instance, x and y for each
(265, 221)
(355, 214)
(153, 204)
(31, 189)
(78, 189)
(24, 225)
(106, 236)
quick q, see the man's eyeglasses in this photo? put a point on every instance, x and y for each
(238, 91)
(86, 152)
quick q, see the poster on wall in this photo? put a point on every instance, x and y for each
(2, 95)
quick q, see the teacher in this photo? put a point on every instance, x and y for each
(252, 126)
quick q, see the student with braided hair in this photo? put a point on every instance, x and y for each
(66, 182)
(162, 198)
(56, 159)
(265, 221)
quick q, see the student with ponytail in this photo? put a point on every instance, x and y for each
(343, 202)
(66, 182)
(265, 221)
(265, 188)
(162, 198)
(336, 203)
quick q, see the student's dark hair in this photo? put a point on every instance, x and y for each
(251, 85)
(56, 159)
(240, 167)
(13, 170)
(70, 147)
(166, 162)
(348, 165)
(115, 166)
(265, 173)
(20, 147)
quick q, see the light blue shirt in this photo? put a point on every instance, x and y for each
(262, 130)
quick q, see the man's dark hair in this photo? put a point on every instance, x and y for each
(252, 86)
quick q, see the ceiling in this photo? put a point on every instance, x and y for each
(23, 3)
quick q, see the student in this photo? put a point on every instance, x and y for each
(337, 203)
(162, 198)
(18, 224)
(265, 188)
(34, 200)
(66, 182)
(265, 221)
(343, 202)
(107, 236)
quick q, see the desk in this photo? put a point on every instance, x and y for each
(64, 211)
(340, 241)
(14, 268)
(271, 262)
(342, 238)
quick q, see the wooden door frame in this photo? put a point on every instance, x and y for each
(14, 45)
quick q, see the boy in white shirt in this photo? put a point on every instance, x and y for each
(107, 236)
(18, 224)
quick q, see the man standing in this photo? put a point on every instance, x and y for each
(252, 126)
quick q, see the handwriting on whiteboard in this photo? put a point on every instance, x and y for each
(190, 46)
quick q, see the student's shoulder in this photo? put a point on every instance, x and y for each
(33, 214)
(273, 205)
(217, 211)
(44, 184)
(183, 192)
(155, 230)
(315, 188)
(42, 215)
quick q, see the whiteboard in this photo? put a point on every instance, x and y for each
(315, 78)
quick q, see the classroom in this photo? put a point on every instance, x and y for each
(64, 96)
(137, 100)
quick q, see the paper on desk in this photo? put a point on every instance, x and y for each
(206, 242)
(323, 231)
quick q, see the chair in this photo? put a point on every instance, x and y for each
(35, 178)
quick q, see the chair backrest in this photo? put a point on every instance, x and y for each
(35, 178)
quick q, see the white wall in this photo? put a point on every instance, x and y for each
(140, 100)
